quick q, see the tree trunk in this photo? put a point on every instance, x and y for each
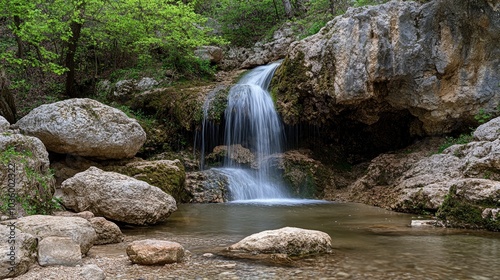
(70, 59)
(20, 49)
(288, 8)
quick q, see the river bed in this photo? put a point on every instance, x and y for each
(368, 242)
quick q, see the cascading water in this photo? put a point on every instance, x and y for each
(252, 123)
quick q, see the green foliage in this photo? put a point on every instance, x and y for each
(450, 141)
(243, 22)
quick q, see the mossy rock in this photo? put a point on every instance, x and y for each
(457, 211)
(168, 175)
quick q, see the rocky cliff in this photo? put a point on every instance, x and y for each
(418, 69)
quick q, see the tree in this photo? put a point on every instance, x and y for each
(59, 33)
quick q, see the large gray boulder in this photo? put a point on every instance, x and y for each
(434, 62)
(17, 261)
(84, 127)
(116, 197)
(290, 241)
(78, 229)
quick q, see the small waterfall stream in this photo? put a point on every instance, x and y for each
(252, 123)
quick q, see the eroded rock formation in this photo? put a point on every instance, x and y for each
(401, 66)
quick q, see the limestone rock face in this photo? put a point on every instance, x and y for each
(288, 240)
(262, 52)
(155, 252)
(116, 197)
(54, 250)
(84, 127)
(433, 61)
(78, 229)
(17, 262)
(462, 179)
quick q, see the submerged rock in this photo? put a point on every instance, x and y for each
(287, 241)
(84, 127)
(155, 252)
(117, 197)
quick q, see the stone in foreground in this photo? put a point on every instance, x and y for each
(116, 197)
(17, 261)
(107, 231)
(55, 250)
(291, 241)
(78, 229)
(155, 252)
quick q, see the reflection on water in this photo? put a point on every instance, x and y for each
(371, 241)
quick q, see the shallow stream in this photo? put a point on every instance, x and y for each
(368, 242)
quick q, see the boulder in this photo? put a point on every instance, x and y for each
(25, 174)
(489, 131)
(207, 186)
(84, 127)
(116, 197)
(432, 62)
(155, 252)
(107, 231)
(78, 229)
(291, 241)
(4, 125)
(55, 250)
(16, 259)
(168, 175)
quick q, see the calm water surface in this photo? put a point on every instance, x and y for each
(366, 240)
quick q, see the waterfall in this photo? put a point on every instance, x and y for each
(251, 122)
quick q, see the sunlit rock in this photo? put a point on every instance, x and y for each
(155, 252)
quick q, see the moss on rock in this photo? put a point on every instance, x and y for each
(168, 175)
(288, 98)
(457, 211)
